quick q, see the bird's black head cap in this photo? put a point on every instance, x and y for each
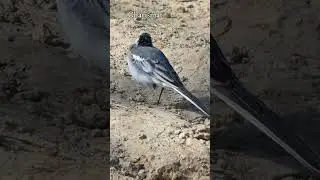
(145, 39)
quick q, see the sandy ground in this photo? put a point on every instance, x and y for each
(53, 111)
(169, 140)
(273, 47)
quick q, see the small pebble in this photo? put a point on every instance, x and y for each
(135, 159)
(142, 136)
(152, 157)
(190, 6)
(177, 132)
(189, 141)
(207, 122)
(142, 173)
(201, 128)
(183, 135)
(181, 141)
(203, 136)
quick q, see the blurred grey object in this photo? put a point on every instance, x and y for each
(86, 25)
(227, 87)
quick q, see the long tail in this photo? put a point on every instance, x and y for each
(231, 91)
(253, 110)
(186, 94)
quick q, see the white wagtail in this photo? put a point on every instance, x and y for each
(226, 86)
(85, 22)
(150, 67)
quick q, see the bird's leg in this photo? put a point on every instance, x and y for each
(160, 95)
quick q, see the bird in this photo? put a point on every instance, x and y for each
(227, 87)
(85, 23)
(150, 67)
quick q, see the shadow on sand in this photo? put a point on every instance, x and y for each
(245, 138)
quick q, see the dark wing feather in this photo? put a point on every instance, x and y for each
(235, 92)
(220, 70)
(153, 61)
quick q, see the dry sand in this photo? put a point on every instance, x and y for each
(53, 111)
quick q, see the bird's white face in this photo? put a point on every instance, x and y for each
(136, 41)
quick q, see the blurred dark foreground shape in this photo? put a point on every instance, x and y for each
(226, 86)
